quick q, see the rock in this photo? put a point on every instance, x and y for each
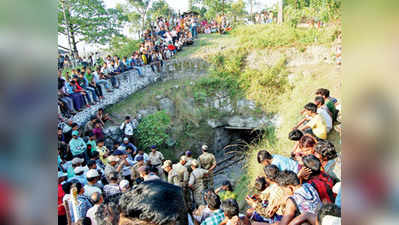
(236, 121)
(158, 97)
(214, 123)
(147, 111)
(111, 130)
(167, 105)
(243, 105)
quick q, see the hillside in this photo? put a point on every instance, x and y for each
(276, 67)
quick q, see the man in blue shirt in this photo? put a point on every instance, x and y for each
(78, 146)
(282, 162)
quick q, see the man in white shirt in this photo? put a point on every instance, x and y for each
(127, 128)
(323, 111)
(97, 199)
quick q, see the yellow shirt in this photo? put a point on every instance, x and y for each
(319, 127)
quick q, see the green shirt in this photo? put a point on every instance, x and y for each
(89, 77)
(331, 107)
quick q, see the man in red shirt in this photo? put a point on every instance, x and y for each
(322, 182)
(62, 218)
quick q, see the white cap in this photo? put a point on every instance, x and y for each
(125, 139)
(76, 161)
(113, 158)
(92, 173)
(195, 163)
(205, 147)
(123, 184)
(78, 169)
(183, 158)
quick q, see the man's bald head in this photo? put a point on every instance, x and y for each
(96, 198)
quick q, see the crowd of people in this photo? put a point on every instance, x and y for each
(126, 185)
(85, 86)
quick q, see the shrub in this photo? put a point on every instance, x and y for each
(153, 130)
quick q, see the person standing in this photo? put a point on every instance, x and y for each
(207, 161)
(196, 182)
(156, 158)
(127, 128)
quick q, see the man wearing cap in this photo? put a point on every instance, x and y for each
(76, 162)
(78, 146)
(207, 161)
(168, 168)
(79, 176)
(196, 181)
(134, 171)
(124, 186)
(125, 172)
(156, 158)
(91, 186)
(181, 179)
(112, 166)
(126, 144)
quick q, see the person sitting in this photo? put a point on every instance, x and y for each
(305, 147)
(326, 153)
(231, 214)
(217, 215)
(315, 125)
(323, 111)
(282, 162)
(103, 117)
(322, 182)
(329, 101)
(153, 202)
(270, 204)
(226, 191)
(295, 135)
(328, 214)
(303, 198)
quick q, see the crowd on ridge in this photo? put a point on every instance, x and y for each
(125, 185)
(82, 87)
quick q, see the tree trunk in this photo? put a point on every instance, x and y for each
(280, 12)
(74, 43)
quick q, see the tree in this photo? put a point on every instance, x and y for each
(159, 8)
(89, 21)
(139, 14)
(238, 9)
(215, 7)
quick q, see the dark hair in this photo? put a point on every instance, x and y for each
(319, 99)
(271, 172)
(263, 155)
(260, 184)
(295, 135)
(213, 201)
(75, 124)
(94, 154)
(228, 184)
(312, 162)
(127, 118)
(91, 163)
(287, 177)
(156, 202)
(328, 209)
(323, 92)
(326, 149)
(113, 176)
(66, 187)
(230, 208)
(311, 107)
(307, 142)
(77, 184)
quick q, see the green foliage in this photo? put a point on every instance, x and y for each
(159, 8)
(274, 35)
(89, 21)
(152, 130)
(122, 46)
